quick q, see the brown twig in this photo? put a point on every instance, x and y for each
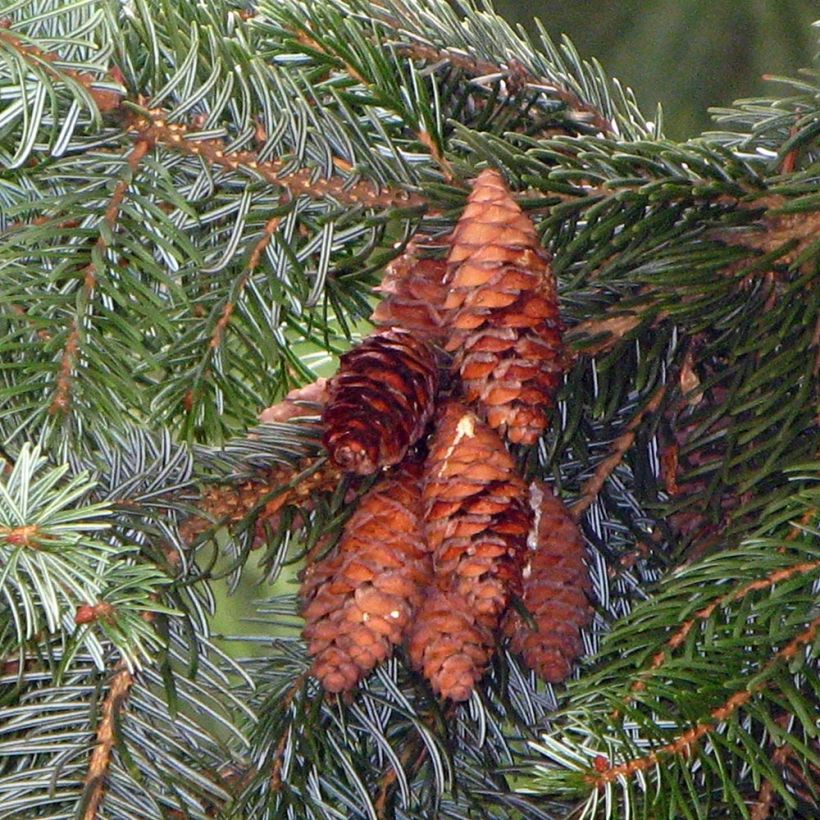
(61, 401)
(479, 68)
(602, 772)
(100, 762)
(766, 797)
(593, 486)
(104, 99)
(423, 136)
(253, 262)
(174, 136)
(613, 328)
(411, 753)
(789, 233)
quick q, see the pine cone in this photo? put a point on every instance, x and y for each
(414, 295)
(448, 645)
(233, 502)
(556, 587)
(380, 400)
(476, 515)
(505, 330)
(359, 600)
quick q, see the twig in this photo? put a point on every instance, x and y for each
(789, 233)
(614, 328)
(602, 772)
(411, 753)
(242, 280)
(61, 402)
(766, 796)
(423, 136)
(593, 486)
(104, 99)
(481, 68)
(100, 762)
(157, 131)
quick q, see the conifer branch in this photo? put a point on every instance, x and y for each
(677, 639)
(786, 235)
(517, 76)
(603, 772)
(61, 401)
(286, 701)
(766, 797)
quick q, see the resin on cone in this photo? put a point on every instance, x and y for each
(556, 590)
(505, 330)
(449, 645)
(358, 601)
(414, 292)
(476, 515)
(380, 401)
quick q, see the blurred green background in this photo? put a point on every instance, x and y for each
(687, 54)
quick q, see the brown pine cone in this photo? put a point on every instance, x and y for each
(505, 331)
(556, 589)
(232, 503)
(476, 515)
(414, 292)
(359, 600)
(448, 645)
(380, 401)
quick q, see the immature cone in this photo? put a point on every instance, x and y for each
(448, 645)
(555, 592)
(505, 331)
(414, 292)
(359, 600)
(380, 401)
(232, 503)
(476, 515)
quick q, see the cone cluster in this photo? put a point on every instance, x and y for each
(439, 554)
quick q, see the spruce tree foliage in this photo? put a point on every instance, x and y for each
(197, 196)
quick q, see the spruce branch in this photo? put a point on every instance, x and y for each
(197, 202)
(683, 745)
(54, 563)
(61, 401)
